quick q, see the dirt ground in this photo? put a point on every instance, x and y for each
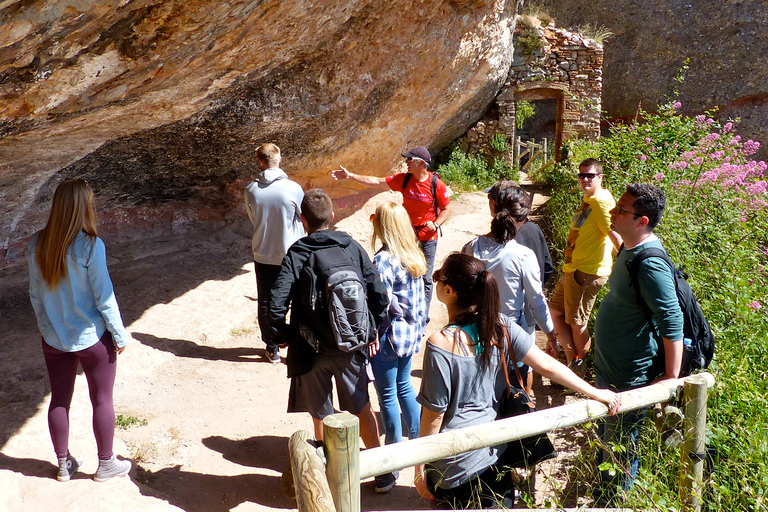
(213, 432)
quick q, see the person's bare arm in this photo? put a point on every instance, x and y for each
(371, 181)
(444, 214)
(615, 240)
(431, 422)
(673, 359)
(554, 370)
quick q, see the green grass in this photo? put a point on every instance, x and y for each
(716, 227)
(124, 422)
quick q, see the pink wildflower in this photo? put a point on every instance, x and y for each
(647, 140)
(750, 147)
(643, 158)
(754, 305)
(659, 176)
(727, 127)
(676, 105)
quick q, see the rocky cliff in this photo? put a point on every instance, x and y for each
(160, 104)
(725, 42)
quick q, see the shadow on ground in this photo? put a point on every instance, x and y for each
(175, 266)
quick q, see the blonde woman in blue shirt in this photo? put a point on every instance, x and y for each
(78, 316)
(402, 266)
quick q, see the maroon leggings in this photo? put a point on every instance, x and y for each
(100, 366)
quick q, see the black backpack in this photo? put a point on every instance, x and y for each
(699, 353)
(333, 294)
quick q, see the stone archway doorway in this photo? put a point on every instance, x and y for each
(539, 124)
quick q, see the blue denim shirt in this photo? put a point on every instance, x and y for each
(75, 315)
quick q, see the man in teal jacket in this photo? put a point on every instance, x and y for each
(626, 349)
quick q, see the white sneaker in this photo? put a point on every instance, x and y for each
(112, 467)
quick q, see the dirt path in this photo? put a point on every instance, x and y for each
(216, 432)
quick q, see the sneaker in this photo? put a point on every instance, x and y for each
(112, 467)
(577, 366)
(273, 357)
(385, 482)
(68, 466)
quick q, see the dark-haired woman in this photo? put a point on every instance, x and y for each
(515, 267)
(78, 316)
(462, 383)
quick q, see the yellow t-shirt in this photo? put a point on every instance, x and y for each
(589, 248)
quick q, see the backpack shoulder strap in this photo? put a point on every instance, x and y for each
(406, 180)
(633, 267)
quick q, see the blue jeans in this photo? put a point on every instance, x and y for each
(393, 385)
(429, 248)
(622, 429)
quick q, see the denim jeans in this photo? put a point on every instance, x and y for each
(622, 429)
(393, 385)
(429, 248)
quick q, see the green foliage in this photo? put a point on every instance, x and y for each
(524, 110)
(465, 172)
(128, 421)
(716, 227)
(499, 142)
(528, 39)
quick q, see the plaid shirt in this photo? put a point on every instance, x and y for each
(407, 315)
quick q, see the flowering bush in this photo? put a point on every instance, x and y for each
(716, 227)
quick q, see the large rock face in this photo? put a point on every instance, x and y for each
(725, 41)
(160, 104)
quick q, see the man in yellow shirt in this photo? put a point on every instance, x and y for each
(588, 261)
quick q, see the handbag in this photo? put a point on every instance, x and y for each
(529, 451)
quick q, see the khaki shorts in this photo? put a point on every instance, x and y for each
(575, 296)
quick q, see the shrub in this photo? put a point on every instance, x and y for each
(499, 142)
(716, 227)
(472, 172)
(524, 110)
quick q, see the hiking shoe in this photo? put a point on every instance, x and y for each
(385, 482)
(112, 467)
(578, 367)
(68, 466)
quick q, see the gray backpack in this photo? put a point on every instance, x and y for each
(333, 293)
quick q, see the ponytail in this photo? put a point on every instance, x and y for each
(478, 297)
(503, 227)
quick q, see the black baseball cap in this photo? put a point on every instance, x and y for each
(418, 152)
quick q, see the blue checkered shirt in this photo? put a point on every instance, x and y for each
(407, 315)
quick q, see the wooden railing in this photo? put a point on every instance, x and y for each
(339, 485)
(534, 151)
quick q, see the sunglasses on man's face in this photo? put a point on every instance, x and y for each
(587, 175)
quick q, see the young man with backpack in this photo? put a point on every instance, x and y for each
(336, 301)
(425, 198)
(627, 350)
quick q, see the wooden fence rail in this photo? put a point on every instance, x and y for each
(347, 467)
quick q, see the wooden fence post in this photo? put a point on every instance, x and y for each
(341, 433)
(694, 450)
(309, 480)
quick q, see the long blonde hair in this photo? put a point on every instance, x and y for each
(71, 213)
(393, 227)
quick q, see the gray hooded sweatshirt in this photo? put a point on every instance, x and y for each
(274, 206)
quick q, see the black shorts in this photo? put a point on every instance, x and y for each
(312, 392)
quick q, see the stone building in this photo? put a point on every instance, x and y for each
(560, 72)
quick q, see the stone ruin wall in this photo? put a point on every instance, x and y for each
(568, 67)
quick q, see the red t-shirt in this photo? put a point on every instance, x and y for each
(417, 201)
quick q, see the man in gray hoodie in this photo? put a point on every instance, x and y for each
(273, 203)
